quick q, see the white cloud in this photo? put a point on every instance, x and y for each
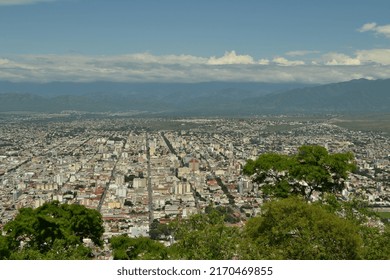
(301, 53)
(378, 29)
(264, 62)
(164, 59)
(231, 58)
(378, 56)
(285, 62)
(4, 61)
(367, 27)
(362, 57)
(146, 67)
(339, 59)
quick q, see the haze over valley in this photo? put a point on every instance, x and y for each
(199, 99)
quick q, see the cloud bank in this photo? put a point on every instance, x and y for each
(301, 53)
(231, 58)
(377, 29)
(340, 59)
(146, 67)
(284, 62)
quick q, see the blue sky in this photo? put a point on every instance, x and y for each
(192, 41)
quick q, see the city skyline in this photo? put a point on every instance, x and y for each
(140, 172)
(186, 41)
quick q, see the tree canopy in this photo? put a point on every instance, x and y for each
(288, 229)
(140, 248)
(293, 229)
(204, 237)
(52, 231)
(311, 169)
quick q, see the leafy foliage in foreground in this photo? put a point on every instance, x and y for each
(52, 231)
(204, 237)
(140, 248)
(293, 229)
(287, 229)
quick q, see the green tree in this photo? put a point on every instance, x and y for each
(311, 169)
(53, 231)
(59, 251)
(84, 222)
(322, 171)
(158, 230)
(4, 248)
(376, 243)
(140, 248)
(294, 229)
(229, 215)
(204, 237)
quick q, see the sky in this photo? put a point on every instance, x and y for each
(307, 41)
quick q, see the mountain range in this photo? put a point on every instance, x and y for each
(198, 99)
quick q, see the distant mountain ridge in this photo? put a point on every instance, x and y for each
(346, 97)
(211, 98)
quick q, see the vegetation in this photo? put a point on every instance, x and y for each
(289, 227)
(366, 122)
(141, 248)
(384, 215)
(227, 212)
(293, 229)
(52, 231)
(204, 237)
(311, 169)
(159, 231)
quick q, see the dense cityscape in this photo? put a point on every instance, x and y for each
(189, 139)
(136, 170)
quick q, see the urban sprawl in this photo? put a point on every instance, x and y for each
(136, 170)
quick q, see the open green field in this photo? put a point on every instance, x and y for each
(378, 123)
(373, 122)
(384, 215)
